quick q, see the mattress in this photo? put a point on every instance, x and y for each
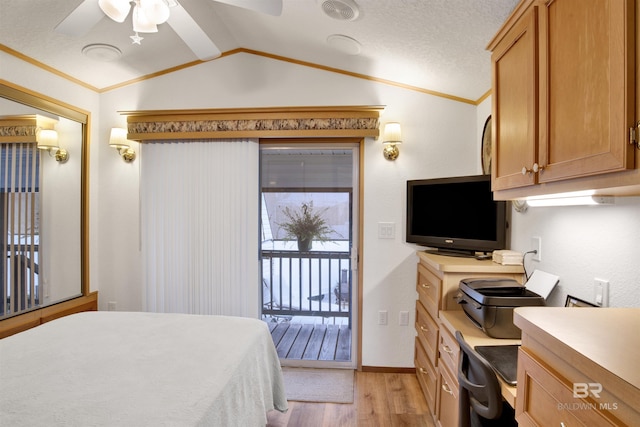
(140, 369)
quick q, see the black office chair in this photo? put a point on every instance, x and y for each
(480, 401)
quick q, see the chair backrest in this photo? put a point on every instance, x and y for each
(479, 386)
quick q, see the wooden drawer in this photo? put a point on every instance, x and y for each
(546, 399)
(448, 400)
(449, 350)
(426, 374)
(428, 288)
(427, 330)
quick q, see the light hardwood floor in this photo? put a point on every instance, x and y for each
(380, 399)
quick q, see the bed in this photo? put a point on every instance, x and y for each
(140, 369)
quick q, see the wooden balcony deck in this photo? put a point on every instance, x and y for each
(311, 341)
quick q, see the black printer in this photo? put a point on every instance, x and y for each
(489, 303)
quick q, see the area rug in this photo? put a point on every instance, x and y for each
(318, 385)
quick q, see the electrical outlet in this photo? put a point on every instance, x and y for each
(536, 245)
(382, 317)
(601, 293)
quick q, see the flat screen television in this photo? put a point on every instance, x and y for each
(456, 215)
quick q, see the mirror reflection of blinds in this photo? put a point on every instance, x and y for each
(19, 219)
(20, 168)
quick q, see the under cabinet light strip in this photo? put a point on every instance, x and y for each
(571, 201)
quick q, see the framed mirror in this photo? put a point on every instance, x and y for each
(43, 203)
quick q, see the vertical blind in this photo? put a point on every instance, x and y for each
(19, 187)
(199, 225)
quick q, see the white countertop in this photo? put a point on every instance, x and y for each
(610, 337)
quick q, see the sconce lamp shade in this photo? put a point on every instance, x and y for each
(392, 134)
(115, 9)
(391, 137)
(47, 139)
(118, 138)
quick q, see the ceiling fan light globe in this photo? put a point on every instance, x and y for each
(141, 23)
(156, 11)
(115, 9)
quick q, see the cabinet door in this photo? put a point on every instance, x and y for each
(428, 288)
(426, 374)
(586, 87)
(515, 115)
(448, 398)
(547, 399)
(427, 331)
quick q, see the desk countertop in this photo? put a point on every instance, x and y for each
(608, 337)
(457, 321)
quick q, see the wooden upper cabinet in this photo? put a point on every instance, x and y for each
(566, 112)
(514, 109)
(587, 99)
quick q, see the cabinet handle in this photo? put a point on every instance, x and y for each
(447, 349)
(562, 424)
(446, 388)
(424, 285)
(423, 371)
(424, 328)
(534, 169)
(633, 140)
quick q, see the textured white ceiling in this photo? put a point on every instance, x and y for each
(437, 45)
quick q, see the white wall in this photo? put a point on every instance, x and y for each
(433, 129)
(441, 138)
(581, 243)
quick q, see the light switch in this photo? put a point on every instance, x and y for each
(386, 230)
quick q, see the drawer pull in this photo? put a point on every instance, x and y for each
(446, 388)
(447, 349)
(562, 424)
(424, 328)
(425, 286)
(423, 371)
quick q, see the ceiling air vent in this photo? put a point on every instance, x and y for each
(344, 10)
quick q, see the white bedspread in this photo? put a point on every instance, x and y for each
(140, 369)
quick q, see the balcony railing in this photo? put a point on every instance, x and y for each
(19, 281)
(316, 283)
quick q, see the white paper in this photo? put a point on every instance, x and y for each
(542, 283)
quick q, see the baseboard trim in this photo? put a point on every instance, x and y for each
(388, 370)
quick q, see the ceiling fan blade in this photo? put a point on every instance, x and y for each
(191, 33)
(82, 19)
(270, 7)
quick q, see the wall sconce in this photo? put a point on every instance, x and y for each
(118, 140)
(48, 140)
(391, 137)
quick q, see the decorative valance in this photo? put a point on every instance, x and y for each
(23, 128)
(277, 122)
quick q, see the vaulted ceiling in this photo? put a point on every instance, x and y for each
(433, 45)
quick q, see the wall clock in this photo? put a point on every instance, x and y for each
(486, 147)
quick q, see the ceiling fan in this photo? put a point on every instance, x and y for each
(148, 14)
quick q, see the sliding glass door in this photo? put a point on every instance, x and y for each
(308, 251)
